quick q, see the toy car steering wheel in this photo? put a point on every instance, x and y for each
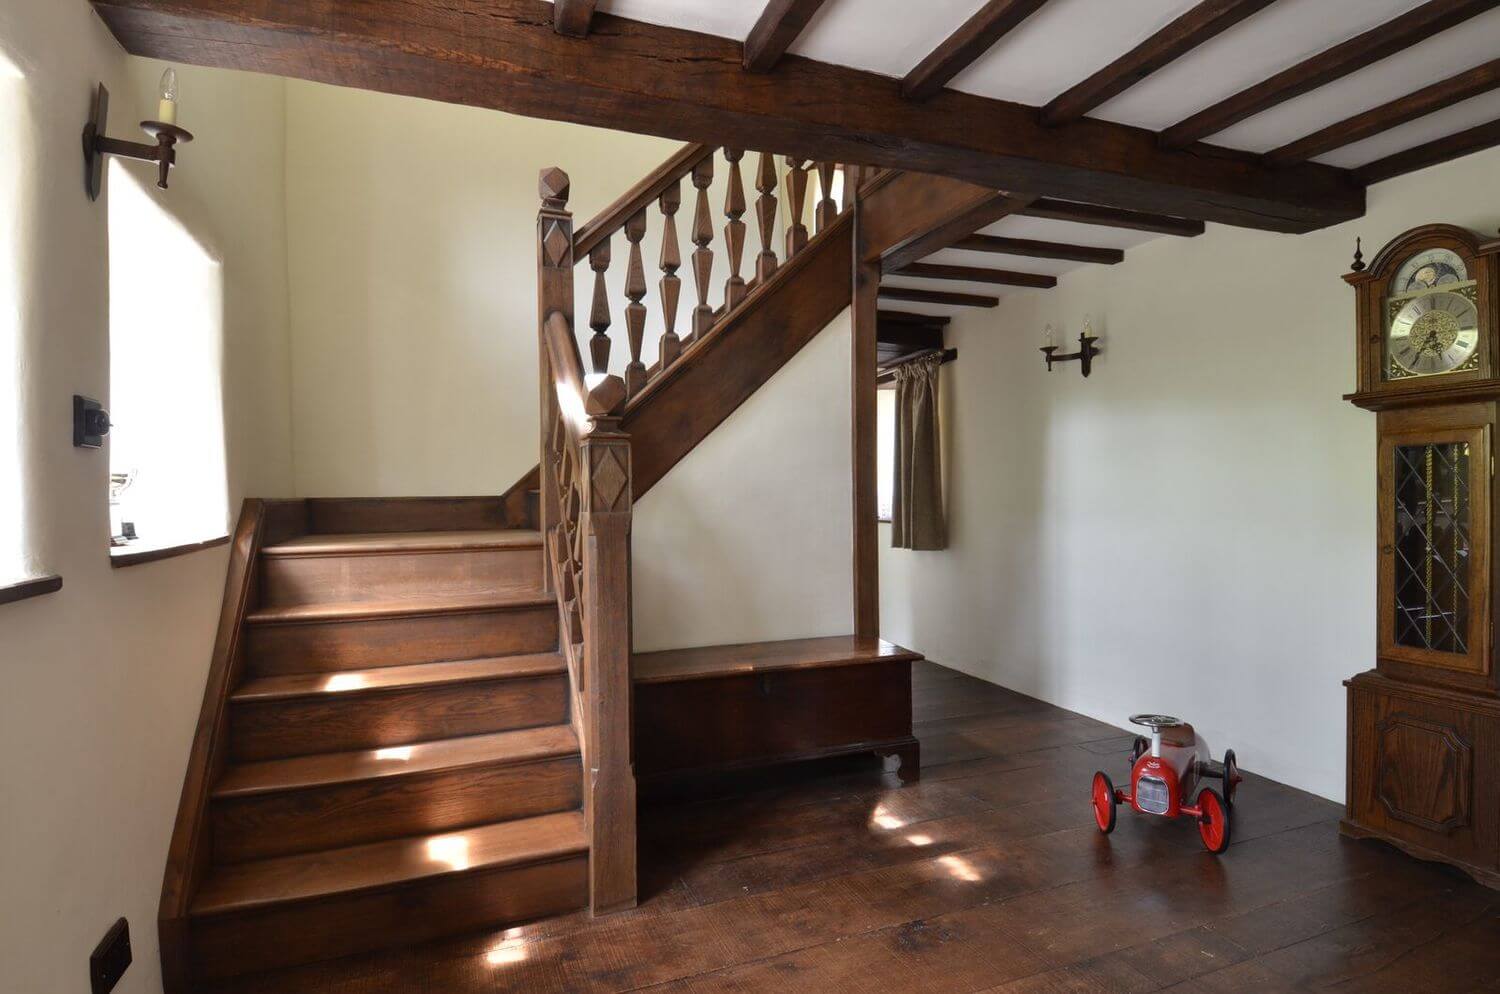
(1155, 722)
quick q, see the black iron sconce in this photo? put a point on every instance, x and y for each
(1085, 354)
(96, 144)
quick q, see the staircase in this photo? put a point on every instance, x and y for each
(396, 756)
(419, 718)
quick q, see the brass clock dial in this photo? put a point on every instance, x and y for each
(1433, 333)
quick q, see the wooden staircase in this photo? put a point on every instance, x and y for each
(394, 758)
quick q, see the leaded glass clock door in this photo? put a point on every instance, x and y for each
(1434, 508)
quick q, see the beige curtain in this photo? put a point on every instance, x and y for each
(917, 497)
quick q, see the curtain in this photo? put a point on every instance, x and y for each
(917, 497)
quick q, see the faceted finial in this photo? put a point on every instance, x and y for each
(554, 186)
(1359, 258)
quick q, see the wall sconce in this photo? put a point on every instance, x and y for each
(96, 145)
(1084, 355)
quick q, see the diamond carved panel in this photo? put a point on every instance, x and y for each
(609, 478)
(1425, 772)
(557, 245)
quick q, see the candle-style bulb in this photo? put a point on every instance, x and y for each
(167, 108)
(1088, 326)
(1049, 339)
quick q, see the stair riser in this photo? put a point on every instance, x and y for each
(374, 810)
(328, 646)
(306, 932)
(344, 722)
(288, 580)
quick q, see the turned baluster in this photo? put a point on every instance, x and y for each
(828, 211)
(765, 216)
(599, 318)
(796, 183)
(734, 231)
(635, 311)
(671, 283)
(703, 255)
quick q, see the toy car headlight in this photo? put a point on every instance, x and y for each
(1152, 795)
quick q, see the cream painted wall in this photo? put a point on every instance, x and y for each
(100, 683)
(413, 262)
(1191, 529)
(747, 539)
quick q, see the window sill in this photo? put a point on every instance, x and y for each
(125, 557)
(34, 587)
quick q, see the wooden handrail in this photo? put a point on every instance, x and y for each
(640, 196)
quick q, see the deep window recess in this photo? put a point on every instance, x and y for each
(167, 481)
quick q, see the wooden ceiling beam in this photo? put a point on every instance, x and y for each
(994, 20)
(779, 25)
(650, 79)
(573, 17)
(908, 337)
(1432, 153)
(938, 297)
(1033, 249)
(1112, 217)
(976, 274)
(958, 224)
(1209, 18)
(1334, 63)
(911, 317)
(1429, 99)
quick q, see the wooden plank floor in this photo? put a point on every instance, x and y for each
(987, 876)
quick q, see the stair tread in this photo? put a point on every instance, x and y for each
(759, 657)
(374, 543)
(427, 604)
(334, 872)
(327, 769)
(386, 678)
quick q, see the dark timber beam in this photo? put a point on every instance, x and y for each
(1325, 67)
(1427, 100)
(1034, 249)
(995, 20)
(902, 338)
(913, 318)
(958, 224)
(779, 25)
(976, 274)
(649, 79)
(1112, 217)
(1443, 149)
(1172, 42)
(937, 297)
(572, 17)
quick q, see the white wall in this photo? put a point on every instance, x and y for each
(100, 683)
(413, 261)
(1191, 529)
(748, 538)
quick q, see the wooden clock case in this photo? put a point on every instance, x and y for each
(1424, 724)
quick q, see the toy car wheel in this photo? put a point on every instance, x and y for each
(1213, 822)
(1104, 802)
(1138, 748)
(1231, 776)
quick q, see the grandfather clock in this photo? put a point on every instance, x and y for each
(1424, 724)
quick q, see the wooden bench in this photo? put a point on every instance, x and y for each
(727, 707)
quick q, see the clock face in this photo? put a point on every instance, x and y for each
(1430, 270)
(1433, 333)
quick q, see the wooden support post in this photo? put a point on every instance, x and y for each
(554, 277)
(865, 311)
(610, 770)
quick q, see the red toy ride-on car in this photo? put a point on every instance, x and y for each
(1166, 770)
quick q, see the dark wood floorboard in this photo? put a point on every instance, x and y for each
(987, 877)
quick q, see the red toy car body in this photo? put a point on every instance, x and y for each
(1166, 771)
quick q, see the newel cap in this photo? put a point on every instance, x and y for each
(554, 187)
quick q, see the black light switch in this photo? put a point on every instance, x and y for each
(110, 958)
(90, 422)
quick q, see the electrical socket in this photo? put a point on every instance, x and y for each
(109, 959)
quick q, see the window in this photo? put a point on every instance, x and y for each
(15, 561)
(166, 449)
(885, 449)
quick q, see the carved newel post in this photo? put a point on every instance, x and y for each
(607, 499)
(554, 277)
